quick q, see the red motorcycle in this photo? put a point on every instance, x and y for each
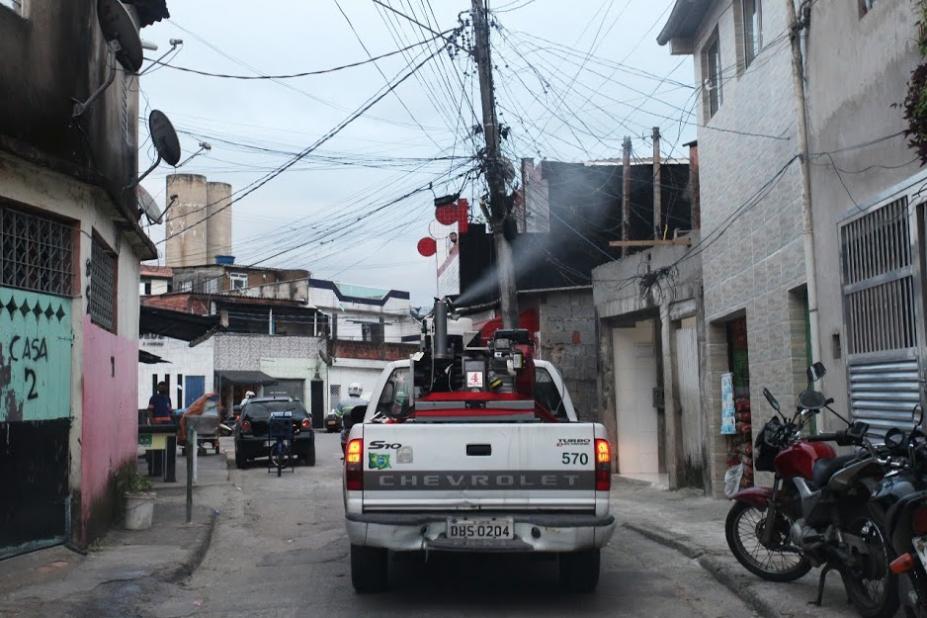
(818, 510)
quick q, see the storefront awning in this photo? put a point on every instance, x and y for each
(150, 359)
(248, 378)
(176, 324)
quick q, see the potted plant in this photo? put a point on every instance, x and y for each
(139, 502)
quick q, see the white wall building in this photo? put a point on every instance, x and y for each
(360, 315)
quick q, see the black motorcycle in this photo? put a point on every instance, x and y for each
(902, 496)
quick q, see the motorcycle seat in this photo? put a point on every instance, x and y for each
(825, 468)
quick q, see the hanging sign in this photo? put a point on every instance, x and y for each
(728, 418)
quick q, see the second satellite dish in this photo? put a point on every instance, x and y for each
(165, 141)
(164, 137)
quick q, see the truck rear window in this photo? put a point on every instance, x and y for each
(261, 411)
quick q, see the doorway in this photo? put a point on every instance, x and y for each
(740, 438)
(317, 403)
(638, 426)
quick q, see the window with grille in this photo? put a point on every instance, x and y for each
(878, 281)
(372, 332)
(36, 253)
(880, 299)
(102, 271)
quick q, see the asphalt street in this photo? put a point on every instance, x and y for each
(280, 549)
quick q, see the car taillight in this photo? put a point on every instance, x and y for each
(919, 521)
(246, 426)
(306, 424)
(354, 465)
(603, 465)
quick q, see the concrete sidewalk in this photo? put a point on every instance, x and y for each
(693, 525)
(124, 564)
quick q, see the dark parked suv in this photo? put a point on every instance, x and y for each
(251, 439)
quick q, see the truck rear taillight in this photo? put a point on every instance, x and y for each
(246, 426)
(354, 465)
(603, 465)
(306, 424)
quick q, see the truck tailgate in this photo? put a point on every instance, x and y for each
(498, 466)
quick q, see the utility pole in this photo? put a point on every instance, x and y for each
(657, 187)
(626, 193)
(798, 81)
(498, 200)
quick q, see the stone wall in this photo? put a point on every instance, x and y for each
(245, 352)
(568, 340)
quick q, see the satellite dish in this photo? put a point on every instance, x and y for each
(122, 40)
(119, 27)
(148, 205)
(164, 137)
(165, 141)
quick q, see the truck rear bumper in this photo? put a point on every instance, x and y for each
(427, 531)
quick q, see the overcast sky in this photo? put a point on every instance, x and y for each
(572, 78)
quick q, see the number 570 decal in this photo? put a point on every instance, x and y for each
(574, 458)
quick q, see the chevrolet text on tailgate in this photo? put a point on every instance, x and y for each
(475, 449)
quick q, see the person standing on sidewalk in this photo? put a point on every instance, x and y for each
(159, 406)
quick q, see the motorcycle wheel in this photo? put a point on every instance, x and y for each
(743, 527)
(871, 586)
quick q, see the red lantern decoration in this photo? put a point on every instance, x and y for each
(446, 214)
(427, 247)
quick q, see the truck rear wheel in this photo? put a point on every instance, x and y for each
(369, 569)
(579, 571)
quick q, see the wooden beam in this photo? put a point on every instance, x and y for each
(650, 243)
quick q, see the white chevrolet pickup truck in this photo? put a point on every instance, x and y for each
(469, 471)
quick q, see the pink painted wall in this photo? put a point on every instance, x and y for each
(109, 431)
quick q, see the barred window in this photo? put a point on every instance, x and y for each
(35, 253)
(102, 271)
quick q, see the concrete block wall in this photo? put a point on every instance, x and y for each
(568, 339)
(245, 352)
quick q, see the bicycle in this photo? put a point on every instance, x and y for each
(280, 429)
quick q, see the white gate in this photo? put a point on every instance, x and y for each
(881, 300)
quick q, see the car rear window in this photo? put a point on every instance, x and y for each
(262, 410)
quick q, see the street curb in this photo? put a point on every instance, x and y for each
(712, 565)
(195, 558)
